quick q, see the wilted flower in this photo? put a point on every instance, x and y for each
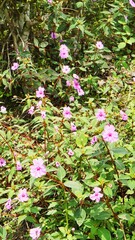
(66, 69)
(70, 152)
(67, 113)
(8, 204)
(99, 45)
(3, 109)
(53, 35)
(109, 134)
(100, 115)
(2, 162)
(38, 168)
(14, 66)
(96, 195)
(31, 110)
(73, 127)
(68, 83)
(123, 115)
(75, 76)
(57, 164)
(35, 233)
(40, 92)
(71, 99)
(43, 114)
(93, 140)
(80, 92)
(39, 104)
(23, 196)
(18, 166)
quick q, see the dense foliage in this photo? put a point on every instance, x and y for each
(67, 120)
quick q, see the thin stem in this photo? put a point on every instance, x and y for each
(11, 149)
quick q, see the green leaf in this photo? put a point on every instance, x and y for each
(124, 216)
(121, 45)
(104, 234)
(79, 4)
(36, 42)
(73, 184)
(61, 173)
(21, 218)
(43, 44)
(80, 216)
(131, 184)
(120, 151)
(30, 219)
(81, 140)
(108, 191)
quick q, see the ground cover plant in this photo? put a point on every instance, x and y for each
(67, 120)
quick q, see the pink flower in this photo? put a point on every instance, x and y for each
(93, 140)
(63, 54)
(76, 84)
(63, 47)
(8, 204)
(96, 195)
(99, 45)
(3, 109)
(35, 233)
(2, 162)
(109, 134)
(100, 115)
(14, 66)
(18, 166)
(40, 92)
(67, 113)
(57, 164)
(75, 76)
(68, 83)
(43, 114)
(132, 3)
(23, 196)
(73, 127)
(63, 51)
(71, 99)
(53, 35)
(50, 1)
(70, 152)
(123, 115)
(38, 168)
(66, 69)
(80, 92)
(31, 110)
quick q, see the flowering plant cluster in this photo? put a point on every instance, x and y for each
(67, 132)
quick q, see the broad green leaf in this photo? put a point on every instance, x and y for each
(31, 219)
(80, 216)
(120, 151)
(79, 4)
(36, 42)
(108, 191)
(21, 218)
(81, 140)
(124, 216)
(131, 184)
(74, 185)
(104, 234)
(119, 164)
(61, 173)
(121, 45)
